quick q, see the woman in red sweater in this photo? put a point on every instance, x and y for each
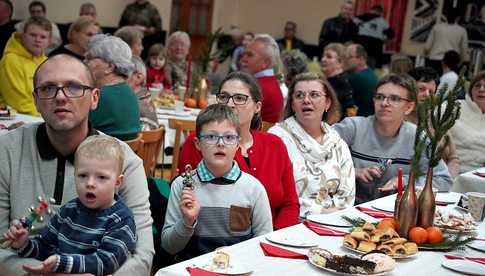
(260, 154)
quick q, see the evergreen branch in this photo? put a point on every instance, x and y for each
(449, 243)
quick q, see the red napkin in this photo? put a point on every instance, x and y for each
(441, 203)
(479, 174)
(324, 231)
(195, 271)
(374, 213)
(478, 260)
(275, 251)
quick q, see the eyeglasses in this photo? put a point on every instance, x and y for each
(237, 99)
(392, 99)
(70, 91)
(479, 85)
(213, 139)
(314, 95)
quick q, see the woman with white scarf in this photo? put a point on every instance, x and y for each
(322, 164)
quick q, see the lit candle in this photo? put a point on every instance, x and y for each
(399, 181)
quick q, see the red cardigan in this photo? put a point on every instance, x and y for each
(270, 164)
(272, 99)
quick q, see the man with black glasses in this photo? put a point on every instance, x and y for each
(37, 159)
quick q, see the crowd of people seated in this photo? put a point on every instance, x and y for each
(338, 136)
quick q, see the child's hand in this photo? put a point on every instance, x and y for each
(46, 266)
(189, 206)
(16, 236)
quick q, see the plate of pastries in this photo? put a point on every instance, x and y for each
(165, 100)
(368, 238)
(369, 264)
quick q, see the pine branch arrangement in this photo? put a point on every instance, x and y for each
(449, 243)
(436, 122)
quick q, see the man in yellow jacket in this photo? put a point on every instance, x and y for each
(23, 53)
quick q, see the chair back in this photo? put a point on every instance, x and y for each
(266, 125)
(135, 144)
(181, 127)
(152, 145)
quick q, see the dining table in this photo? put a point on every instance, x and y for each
(18, 117)
(250, 254)
(163, 114)
(472, 181)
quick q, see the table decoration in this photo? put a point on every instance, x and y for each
(436, 123)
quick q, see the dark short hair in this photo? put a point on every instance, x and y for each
(254, 89)
(424, 74)
(451, 16)
(333, 113)
(452, 60)
(38, 3)
(10, 6)
(360, 51)
(216, 113)
(378, 8)
(403, 80)
(291, 23)
(66, 56)
(478, 77)
(42, 22)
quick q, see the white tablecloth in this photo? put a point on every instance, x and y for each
(163, 115)
(19, 118)
(469, 182)
(250, 254)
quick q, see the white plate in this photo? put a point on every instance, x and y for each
(289, 240)
(448, 197)
(392, 256)
(174, 113)
(383, 206)
(478, 245)
(333, 219)
(235, 267)
(12, 117)
(310, 259)
(469, 267)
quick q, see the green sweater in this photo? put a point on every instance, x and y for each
(363, 86)
(117, 113)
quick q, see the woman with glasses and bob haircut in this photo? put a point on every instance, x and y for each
(467, 133)
(261, 154)
(322, 164)
(384, 142)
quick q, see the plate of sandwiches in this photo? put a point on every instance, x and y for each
(370, 264)
(221, 262)
(369, 238)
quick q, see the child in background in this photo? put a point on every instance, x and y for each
(225, 205)
(155, 73)
(93, 233)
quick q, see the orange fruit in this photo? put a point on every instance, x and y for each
(189, 102)
(388, 223)
(418, 235)
(202, 103)
(434, 234)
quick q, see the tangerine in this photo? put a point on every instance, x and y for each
(435, 235)
(189, 102)
(388, 223)
(418, 235)
(202, 103)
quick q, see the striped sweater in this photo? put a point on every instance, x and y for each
(86, 240)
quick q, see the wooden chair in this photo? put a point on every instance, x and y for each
(180, 126)
(152, 145)
(266, 125)
(135, 144)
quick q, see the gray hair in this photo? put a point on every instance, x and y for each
(271, 50)
(139, 67)
(129, 34)
(181, 35)
(295, 62)
(113, 50)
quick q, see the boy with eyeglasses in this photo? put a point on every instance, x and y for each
(93, 233)
(224, 205)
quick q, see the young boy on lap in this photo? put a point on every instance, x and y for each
(93, 233)
(225, 205)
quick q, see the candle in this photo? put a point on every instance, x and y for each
(399, 181)
(189, 75)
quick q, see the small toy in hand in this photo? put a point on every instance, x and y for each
(187, 175)
(35, 214)
(384, 164)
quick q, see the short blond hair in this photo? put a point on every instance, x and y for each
(101, 146)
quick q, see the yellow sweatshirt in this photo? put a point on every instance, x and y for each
(17, 69)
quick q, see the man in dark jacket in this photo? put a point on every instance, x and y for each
(290, 42)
